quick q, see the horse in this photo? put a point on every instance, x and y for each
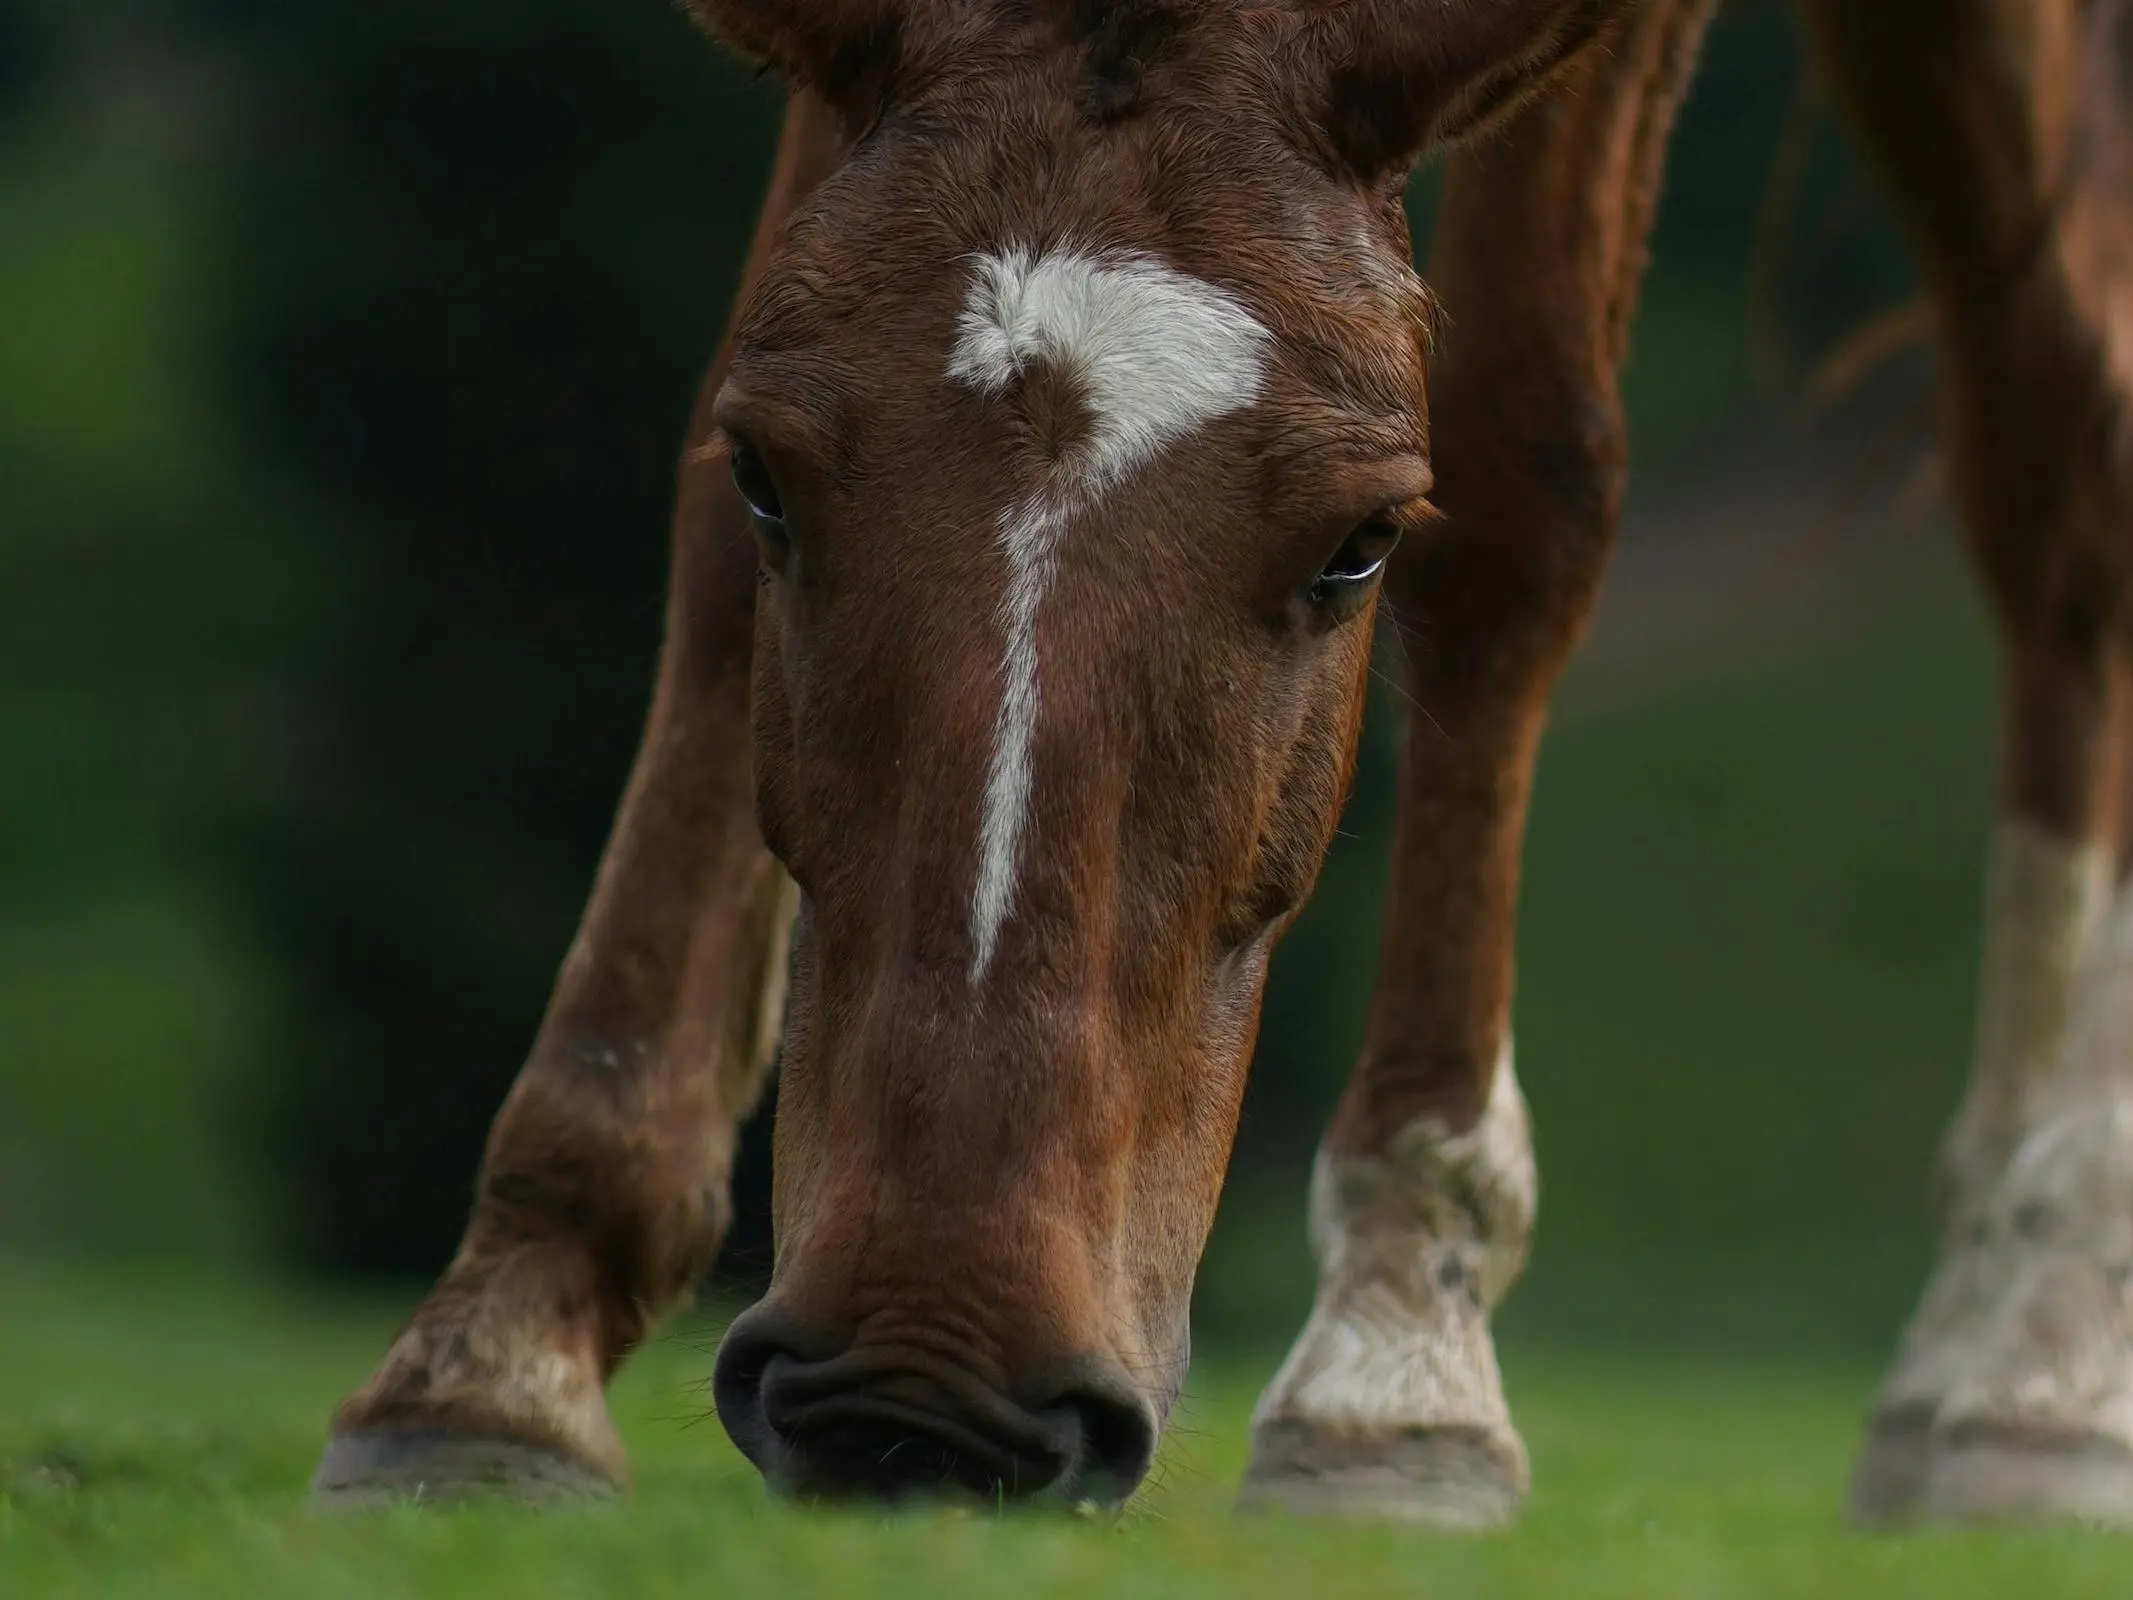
(1030, 531)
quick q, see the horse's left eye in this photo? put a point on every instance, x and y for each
(1357, 565)
(758, 488)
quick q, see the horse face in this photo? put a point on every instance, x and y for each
(1079, 418)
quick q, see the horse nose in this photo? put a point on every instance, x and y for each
(1116, 1428)
(897, 1422)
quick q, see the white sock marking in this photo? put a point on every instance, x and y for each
(1157, 354)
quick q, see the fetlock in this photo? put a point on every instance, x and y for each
(1392, 1402)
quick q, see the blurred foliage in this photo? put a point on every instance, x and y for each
(25, 57)
(477, 260)
(149, 599)
(334, 471)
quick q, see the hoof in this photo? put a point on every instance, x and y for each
(1992, 1475)
(1456, 1479)
(1893, 1466)
(360, 1471)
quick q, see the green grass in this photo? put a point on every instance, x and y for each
(155, 1434)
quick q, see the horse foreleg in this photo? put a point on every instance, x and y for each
(603, 1192)
(1391, 1403)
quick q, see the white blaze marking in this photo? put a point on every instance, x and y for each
(1155, 354)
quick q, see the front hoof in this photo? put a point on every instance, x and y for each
(369, 1469)
(1461, 1480)
(1894, 1463)
(1986, 1474)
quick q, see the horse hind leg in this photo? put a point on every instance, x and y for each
(2046, 902)
(2002, 131)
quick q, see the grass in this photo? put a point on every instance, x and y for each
(156, 1432)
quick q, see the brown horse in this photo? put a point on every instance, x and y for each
(1075, 406)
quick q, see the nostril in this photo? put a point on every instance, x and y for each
(737, 1394)
(757, 1339)
(1118, 1435)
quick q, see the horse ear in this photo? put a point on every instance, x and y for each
(1395, 77)
(843, 50)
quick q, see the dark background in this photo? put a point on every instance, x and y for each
(345, 349)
